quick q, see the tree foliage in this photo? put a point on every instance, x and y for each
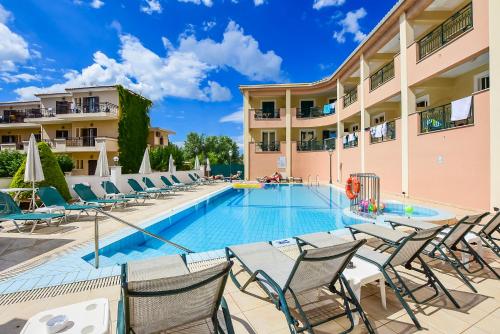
(10, 161)
(133, 129)
(159, 157)
(216, 148)
(51, 170)
(65, 162)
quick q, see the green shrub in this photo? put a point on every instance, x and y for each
(133, 129)
(158, 157)
(10, 161)
(65, 162)
(51, 170)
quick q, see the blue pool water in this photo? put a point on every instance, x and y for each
(238, 216)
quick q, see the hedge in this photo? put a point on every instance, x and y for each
(133, 129)
(51, 170)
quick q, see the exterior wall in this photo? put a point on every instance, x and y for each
(264, 163)
(256, 134)
(350, 162)
(452, 166)
(387, 90)
(256, 102)
(154, 140)
(110, 96)
(383, 159)
(313, 122)
(313, 164)
(350, 109)
(268, 123)
(86, 156)
(466, 46)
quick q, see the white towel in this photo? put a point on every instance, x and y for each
(384, 129)
(378, 131)
(352, 137)
(332, 108)
(373, 131)
(460, 109)
(344, 140)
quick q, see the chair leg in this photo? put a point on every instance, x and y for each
(480, 259)
(357, 304)
(446, 292)
(456, 268)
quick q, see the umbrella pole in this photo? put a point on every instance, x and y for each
(33, 197)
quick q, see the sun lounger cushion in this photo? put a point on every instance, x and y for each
(161, 267)
(372, 255)
(380, 231)
(321, 239)
(416, 224)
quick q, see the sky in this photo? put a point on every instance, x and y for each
(187, 56)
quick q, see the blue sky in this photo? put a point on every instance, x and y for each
(188, 56)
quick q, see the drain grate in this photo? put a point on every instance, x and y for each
(53, 291)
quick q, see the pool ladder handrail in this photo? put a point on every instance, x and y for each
(96, 234)
(317, 180)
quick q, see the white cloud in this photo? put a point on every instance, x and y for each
(259, 2)
(238, 51)
(216, 92)
(208, 25)
(96, 4)
(25, 77)
(235, 117)
(208, 3)
(318, 4)
(350, 24)
(13, 48)
(151, 6)
(167, 44)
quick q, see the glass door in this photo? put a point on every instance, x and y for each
(268, 109)
(305, 107)
(268, 141)
(88, 136)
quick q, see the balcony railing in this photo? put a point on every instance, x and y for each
(266, 114)
(350, 140)
(439, 118)
(314, 112)
(267, 147)
(383, 75)
(450, 29)
(383, 132)
(316, 145)
(350, 97)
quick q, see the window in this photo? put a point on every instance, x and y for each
(79, 164)
(355, 128)
(157, 134)
(91, 104)
(423, 101)
(268, 108)
(482, 81)
(268, 141)
(307, 135)
(62, 134)
(378, 119)
(332, 100)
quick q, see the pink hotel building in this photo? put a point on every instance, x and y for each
(417, 103)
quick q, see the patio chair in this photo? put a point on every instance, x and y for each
(111, 190)
(407, 249)
(162, 295)
(286, 280)
(207, 179)
(178, 182)
(168, 183)
(448, 243)
(486, 233)
(10, 211)
(150, 185)
(51, 197)
(318, 240)
(88, 196)
(195, 180)
(138, 189)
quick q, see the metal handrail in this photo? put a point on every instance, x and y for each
(157, 237)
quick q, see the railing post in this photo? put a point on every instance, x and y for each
(96, 240)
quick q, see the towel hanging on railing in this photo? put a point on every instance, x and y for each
(460, 109)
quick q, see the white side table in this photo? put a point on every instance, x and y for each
(89, 317)
(363, 273)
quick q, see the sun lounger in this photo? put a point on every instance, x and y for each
(285, 280)
(112, 191)
(162, 295)
(88, 196)
(150, 185)
(51, 197)
(138, 189)
(488, 231)
(454, 239)
(407, 249)
(178, 183)
(195, 180)
(10, 211)
(169, 183)
(318, 240)
(206, 179)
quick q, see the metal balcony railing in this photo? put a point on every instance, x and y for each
(456, 25)
(439, 118)
(385, 132)
(80, 141)
(266, 114)
(313, 112)
(267, 147)
(350, 97)
(316, 145)
(349, 142)
(383, 75)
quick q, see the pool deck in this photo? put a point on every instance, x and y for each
(480, 312)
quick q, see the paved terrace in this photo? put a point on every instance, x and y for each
(480, 313)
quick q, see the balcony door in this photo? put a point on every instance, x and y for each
(305, 107)
(268, 108)
(91, 104)
(268, 140)
(10, 139)
(62, 107)
(88, 136)
(92, 164)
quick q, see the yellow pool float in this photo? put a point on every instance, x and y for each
(247, 185)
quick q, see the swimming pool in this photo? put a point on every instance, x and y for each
(237, 216)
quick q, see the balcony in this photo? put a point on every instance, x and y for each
(266, 119)
(350, 140)
(449, 30)
(350, 97)
(315, 112)
(316, 145)
(265, 114)
(267, 147)
(383, 132)
(383, 75)
(439, 118)
(82, 144)
(12, 146)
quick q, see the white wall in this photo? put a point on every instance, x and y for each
(122, 184)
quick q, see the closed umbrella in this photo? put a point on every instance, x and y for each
(33, 171)
(196, 163)
(102, 168)
(208, 167)
(171, 167)
(145, 164)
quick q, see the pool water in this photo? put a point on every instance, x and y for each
(238, 216)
